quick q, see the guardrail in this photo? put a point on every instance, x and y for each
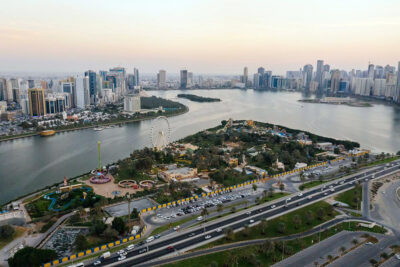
(215, 192)
(96, 249)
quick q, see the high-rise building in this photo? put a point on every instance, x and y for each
(256, 80)
(184, 79)
(162, 79)
(69, 86)
(245, 78)
(36, 102)
(371, 71)
(92, 80)
(318, 74)
(3, 89)
(86, 92)
(136, 73)
(307, 75)
(131, 81)
(261, 71)
(335, 81)
(132, 103)
(398, 82)
(31, 83)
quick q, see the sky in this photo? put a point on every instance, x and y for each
(207, 36)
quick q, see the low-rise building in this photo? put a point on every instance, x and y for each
(179, 174)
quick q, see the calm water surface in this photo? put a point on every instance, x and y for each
(32, 163)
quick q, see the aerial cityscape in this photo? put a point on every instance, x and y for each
(199, 133)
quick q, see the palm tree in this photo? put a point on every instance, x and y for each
(296, 221)
(254, 187)
(229, 234)
(204, 213)
(233, 209)
(302, 177)
(220, 208)
(316, 263)
(354, 241)
(246, 230)
(269, 246)
(329, 257)
(342, 249)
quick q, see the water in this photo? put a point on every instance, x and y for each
(32, 163)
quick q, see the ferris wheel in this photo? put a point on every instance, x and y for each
(160, 132)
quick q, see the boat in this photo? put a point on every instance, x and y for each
(47, 133)
(98, 129)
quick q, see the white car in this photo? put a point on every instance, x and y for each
(219, 230)
(176, 228)
(121, 258)
(121, 251)
(96, 263)
(149, 239)
(251, 221)
(369, 243)
(397, 256)
(333, 190)
(288, 199)
(199, 218)
(130, 247)
(207, 237)
(300, 194)
(248, 213)
(273, 207)
(309, 197)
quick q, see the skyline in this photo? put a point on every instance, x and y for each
(75, 36)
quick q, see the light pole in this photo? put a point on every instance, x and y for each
(129, 206)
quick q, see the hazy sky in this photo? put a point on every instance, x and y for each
(207, 36)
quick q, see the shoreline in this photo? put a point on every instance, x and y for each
(355, 104)
(185, 110)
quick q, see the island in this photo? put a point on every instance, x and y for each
(197, 98)
(338, 101)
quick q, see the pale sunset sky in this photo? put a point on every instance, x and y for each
(205, 36)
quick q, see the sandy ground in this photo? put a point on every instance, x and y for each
(107, 189)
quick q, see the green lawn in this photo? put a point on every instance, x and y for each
(274, 229)
(259, 255)
(382, 161)
(312, 184)
(351, 197)
(172, 225)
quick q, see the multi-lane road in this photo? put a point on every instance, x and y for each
(190, 238)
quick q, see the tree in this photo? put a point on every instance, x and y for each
(204, 213)
(281, 187)
(31, 257)
(302, 177)
(336, 150)
(269, 246)
(98, 227)
(119, 225)
(254, 187)
(220, 208)
(229, 234)
(329, 210)
(384, 255)
(373, 262)
(263, 225)
(233, 209)
(110, 234)
(6, 231)
(398, 153)
(320, 213)
(246, 230)
(134, 214)
(81, 243)
(271, 191)
(296, 221)
(309, 217)
(342, 249)
(329, 257)
(354, 241)
(75, 218)
(281, 228)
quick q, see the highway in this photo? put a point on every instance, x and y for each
(164, 246)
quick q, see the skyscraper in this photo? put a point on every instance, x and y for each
(86, 92)
(335, 81)
(36, 102)
(162, 79)
(371, 71)
(398, 82)
(136, 73)
(92, 85)
(245, 78)
(184, 79)
(261, 71)
(307, 75)
(318, 74)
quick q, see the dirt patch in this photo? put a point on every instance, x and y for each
(111, 189)
(382, 184)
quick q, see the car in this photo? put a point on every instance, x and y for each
(342, 182)
(331, 186)
(369, 243)
(251, 221)
(207, 237)
(273, 207)
(248, 213)
(300, 194)
(149, 239)
(143, 250)
(325, 193)
(80, 264)
(332, 190)
(288, 199)
(309, 197)
(170, 248)
(141, 243)
(96, 263)
(157, 236)
(397, 256)
(130, 247)
(219, 230)
(176, 228)
(199, 218)
(121, 258)
(192, 234)
(121, 251)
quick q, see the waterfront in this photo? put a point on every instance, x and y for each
(31, 163)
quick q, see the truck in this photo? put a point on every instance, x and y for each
(105, 255)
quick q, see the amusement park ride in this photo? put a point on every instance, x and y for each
(160, 132)
(100, 175)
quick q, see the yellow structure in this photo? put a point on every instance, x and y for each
(37, 104)
(47, 133)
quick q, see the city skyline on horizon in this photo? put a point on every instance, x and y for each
(219, 37)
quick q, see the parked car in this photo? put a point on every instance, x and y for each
(208, 237)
